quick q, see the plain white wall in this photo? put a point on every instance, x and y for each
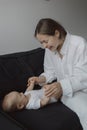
(18, 19)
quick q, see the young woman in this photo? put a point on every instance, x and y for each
(66, 61)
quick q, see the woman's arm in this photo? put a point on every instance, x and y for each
(77, 81)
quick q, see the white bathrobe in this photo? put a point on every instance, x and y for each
(71, 72)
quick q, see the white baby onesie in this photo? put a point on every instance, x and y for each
(36, 96)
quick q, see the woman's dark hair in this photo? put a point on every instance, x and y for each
(48, 26)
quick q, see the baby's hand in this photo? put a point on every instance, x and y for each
(30, 85)
(34, 79)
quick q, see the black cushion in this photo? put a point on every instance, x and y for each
(55, 116)
(15, 69)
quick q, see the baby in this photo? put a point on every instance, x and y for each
(31, 99)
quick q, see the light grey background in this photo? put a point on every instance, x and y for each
(18, 19)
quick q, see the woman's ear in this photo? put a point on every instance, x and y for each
(20, 106)
(57, 33)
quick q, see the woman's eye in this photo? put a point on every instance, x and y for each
(46, 41)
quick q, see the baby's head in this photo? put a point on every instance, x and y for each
(13, 101)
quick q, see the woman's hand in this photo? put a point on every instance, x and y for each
(53, 90)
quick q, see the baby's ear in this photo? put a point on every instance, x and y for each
(20, 106)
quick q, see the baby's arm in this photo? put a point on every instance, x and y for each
(31, 86)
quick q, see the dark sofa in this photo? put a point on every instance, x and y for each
(15, 69)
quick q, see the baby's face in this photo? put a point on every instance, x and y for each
(18, 98)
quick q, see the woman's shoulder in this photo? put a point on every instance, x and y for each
(78, 40)
(77, 37)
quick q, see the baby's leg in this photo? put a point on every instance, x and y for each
(44, 101)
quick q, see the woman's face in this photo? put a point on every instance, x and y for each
(50, 42)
